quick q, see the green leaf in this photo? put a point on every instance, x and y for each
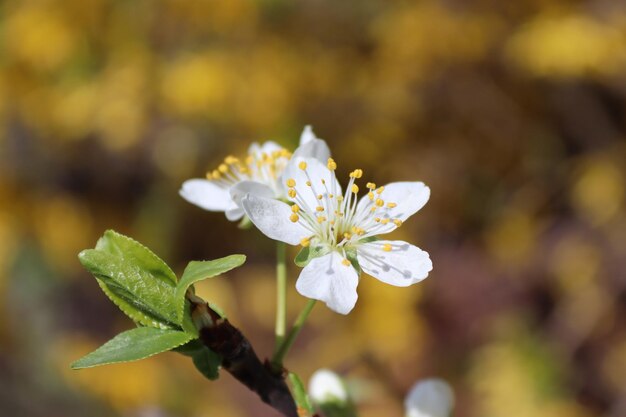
(205, 360)
(132, 345)
(135, 279)
(299, 394)
(309, 253)
(199, 270)
(118, 244)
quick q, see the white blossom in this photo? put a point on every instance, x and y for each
(260, 173)
(341, 231)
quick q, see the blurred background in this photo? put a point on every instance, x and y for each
(514, 114)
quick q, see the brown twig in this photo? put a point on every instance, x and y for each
(239, 358)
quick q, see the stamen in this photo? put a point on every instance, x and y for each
(346, 262)
(295, 208)
(291, 182)
(294, 217)
(302, 165)
(355, 188)
(308, 183)
(292, 193)
(332, 165)
(305, 242)
(391, 205)
(397, 222)
(371, 185)
(319, 208)
(380, 190)
(387, 247)
(380, 202)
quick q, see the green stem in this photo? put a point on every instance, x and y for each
(283, 349)
(281, 293)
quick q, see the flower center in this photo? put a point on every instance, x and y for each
(339, 220)
(258, 166)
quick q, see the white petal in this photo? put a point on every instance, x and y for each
(234, 214)
(239, 191)
(312, 147)
(327, 279)
(316, 172)
(206, 194)
(408, 197)
(307, 135)
(272, 218)
(402, 266)
(429, 398)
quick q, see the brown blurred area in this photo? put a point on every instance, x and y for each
(514, 114)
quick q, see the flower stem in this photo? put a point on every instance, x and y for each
(283, 349)
(281, 293)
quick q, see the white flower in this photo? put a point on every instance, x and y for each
(259, 174)
(340, 231)
(325, 386)
(429, 398)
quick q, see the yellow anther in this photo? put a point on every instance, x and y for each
(249, 159)
(230, 160)
(391, 205)
(209, 175)
(346, 262)
(347, 235)
(332, 222)
(380, 190)
(357, 173)
(377, 219)
(308, 183)
(305, 242)
(291, 182)
(331, 195)
(291, 193)
(295, 208)
(319, 196)
(321, 219)
(223, 168)
(384, 221)
(355, 188)
(340, 198)
(387, 247)
(216, 174)
(294, 217)
(397, 222)
(370, 195)
(340, 214)
(302, 165)
(332, 165)
(371, 185)
(319, 208)
(380, 202)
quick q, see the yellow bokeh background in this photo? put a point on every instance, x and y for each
(514, 113)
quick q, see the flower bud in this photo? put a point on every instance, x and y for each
(329, 394)
(429, 398)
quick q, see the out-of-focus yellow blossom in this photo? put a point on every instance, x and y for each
(575, 264)
(516, 377)
(512, 237)
(384, 318)
(64, 227)
(39, 35)
(197, 85)
(599, 189)
(570, 45)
